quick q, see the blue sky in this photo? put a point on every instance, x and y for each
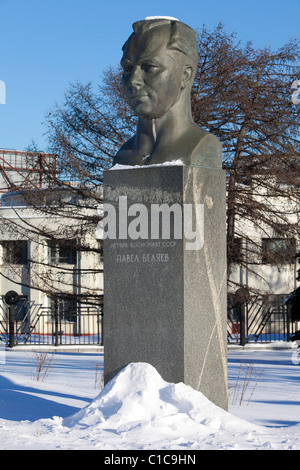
(47, 44)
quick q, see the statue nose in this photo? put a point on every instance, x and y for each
(136, 78)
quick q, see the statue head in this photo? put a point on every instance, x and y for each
(159, 65)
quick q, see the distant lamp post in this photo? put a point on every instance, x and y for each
(11, 298)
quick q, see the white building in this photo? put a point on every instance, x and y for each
(39, 259)
(265, 260)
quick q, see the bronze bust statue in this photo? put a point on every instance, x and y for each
(159, 64)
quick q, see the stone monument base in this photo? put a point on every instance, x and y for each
(165, 293)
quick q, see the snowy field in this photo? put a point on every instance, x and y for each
(63, 407)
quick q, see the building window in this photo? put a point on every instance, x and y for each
(61, 252)
(15, 251)
(235, 251)
(65, 308)
(278, 250)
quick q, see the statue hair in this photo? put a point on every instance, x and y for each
(182, 38)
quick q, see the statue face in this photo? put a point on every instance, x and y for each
(152, 75)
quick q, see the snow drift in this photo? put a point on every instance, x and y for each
(138, 410)
(139, 400)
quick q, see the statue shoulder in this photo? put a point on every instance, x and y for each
(126, 155)
(208, 149)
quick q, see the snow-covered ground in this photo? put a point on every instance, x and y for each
(139, 410)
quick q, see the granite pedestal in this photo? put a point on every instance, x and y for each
(165, 295)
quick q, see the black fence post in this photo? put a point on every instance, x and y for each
(242, 324)
(288, 317)
(56, 322)
(11, 326)
(11, 299)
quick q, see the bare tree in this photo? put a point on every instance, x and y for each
(88, 128)
(242, 95)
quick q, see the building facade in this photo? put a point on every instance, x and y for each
(55, 267)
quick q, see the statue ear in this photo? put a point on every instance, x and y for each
(187, 76)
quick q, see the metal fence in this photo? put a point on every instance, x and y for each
(37, 325)
(259, 321)
(32, 324)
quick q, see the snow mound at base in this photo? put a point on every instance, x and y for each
(138, 398)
